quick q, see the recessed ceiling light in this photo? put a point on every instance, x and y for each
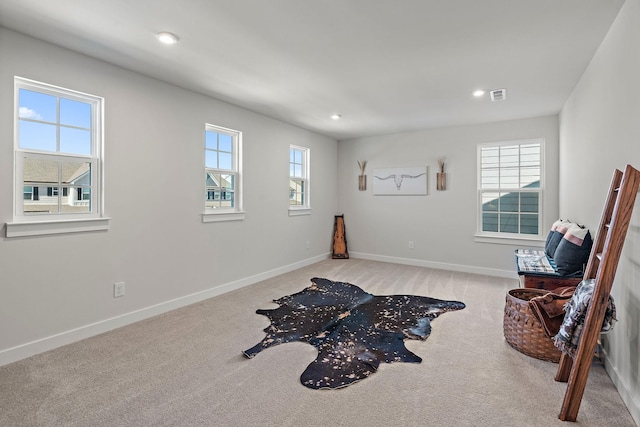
(478, 93)
(336, 116)
(167, 38)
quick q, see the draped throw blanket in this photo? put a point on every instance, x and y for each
(568, 336)
(549, 308)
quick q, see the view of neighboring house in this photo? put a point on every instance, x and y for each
(56, 187)
(512, 212)
(220, 190)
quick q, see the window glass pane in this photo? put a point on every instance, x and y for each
(78, 201)
(490, 157)
(211, 159)
(509, 202)
(220, 190)
(75, 113)
(296, 190)
(530, 155)
(40, 204)
(37, 136)
(490, 202)
(40, 171)
(211, 180)
(227, 181)
(225, 142)
(27, 192)
(76, 173)
(529, 224)
(530, 177)
(76, 141)
(508, 223)
(211, 140)
(291, 155)
(489, 178)
(529, 202)
(490, 222)
(37, 106)
(297, 171)
(509, 178)
(225, 161)
(297, 156)
(509, 156)
(43, 174)
(212, 199)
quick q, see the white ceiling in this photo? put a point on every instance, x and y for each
(386, 66)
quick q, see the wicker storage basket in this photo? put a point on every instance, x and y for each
(521, 328)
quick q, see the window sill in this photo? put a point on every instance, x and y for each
(536, 241)
(39, 228)
(223, 216)
(299, 211)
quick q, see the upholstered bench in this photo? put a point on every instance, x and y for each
(561, 263)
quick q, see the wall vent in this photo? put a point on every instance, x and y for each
(498, 94)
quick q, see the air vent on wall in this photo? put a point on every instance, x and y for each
(498, 94)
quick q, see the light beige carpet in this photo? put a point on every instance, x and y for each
(185, 368)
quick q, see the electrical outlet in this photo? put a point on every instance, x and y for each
(411, 245)
(118, 289)
(308, 244)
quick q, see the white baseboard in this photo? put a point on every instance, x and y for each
(49, 343)
(628, 396)
(509, 274)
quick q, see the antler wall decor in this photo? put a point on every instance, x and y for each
(362, 178)
(441, 181)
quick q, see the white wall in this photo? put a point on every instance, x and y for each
(55, 289)
(600, 131)
(442, 224)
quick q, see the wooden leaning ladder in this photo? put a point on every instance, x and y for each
(602, 265)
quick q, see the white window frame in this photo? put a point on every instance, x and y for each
(27, 224)
(305, 207)
(234, 213)
(506, 237)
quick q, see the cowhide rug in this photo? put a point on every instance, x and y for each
(353, 331)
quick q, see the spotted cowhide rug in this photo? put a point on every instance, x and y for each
(353, 330)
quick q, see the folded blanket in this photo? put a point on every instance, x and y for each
(549, 308)
(534, 261)
(568, 336)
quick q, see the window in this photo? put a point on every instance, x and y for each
(298, 180)
(29, 193)
(57, 148)
(510, 189)
(222, 197)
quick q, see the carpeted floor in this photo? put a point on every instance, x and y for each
(185, 368)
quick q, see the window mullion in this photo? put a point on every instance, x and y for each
(57, 124)
(59, 187)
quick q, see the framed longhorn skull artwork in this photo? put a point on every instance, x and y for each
(401, 181)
